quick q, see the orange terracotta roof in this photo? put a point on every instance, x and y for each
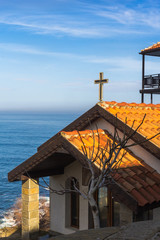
(135, 112)
(101, 140)
(154, 46)
(132, 174)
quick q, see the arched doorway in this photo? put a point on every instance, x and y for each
(72, 204)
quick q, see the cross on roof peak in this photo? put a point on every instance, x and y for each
(100, 82)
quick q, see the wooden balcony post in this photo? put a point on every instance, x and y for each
(143, 70)
(151, 98)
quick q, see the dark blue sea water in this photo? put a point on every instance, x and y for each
(20, 135)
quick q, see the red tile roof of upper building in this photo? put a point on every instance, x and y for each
(133, 112)
(154, 46)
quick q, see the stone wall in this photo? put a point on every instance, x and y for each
(156, 214)
(126, 215)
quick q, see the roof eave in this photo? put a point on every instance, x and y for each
(20, 170)
(150, 51)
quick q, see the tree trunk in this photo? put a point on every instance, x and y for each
(95, 211)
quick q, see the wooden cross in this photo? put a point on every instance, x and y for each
(100, 82)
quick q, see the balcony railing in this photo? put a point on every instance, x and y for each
(152, 81)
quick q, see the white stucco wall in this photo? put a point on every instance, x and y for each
(126, 215)
(57, 202)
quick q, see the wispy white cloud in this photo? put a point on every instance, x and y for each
(55, 25)
(20, 48)
(57, 29)
(139, 15)
(93, 21)
(114, 63)
(119, 63)
(125, 16)
(82, 26)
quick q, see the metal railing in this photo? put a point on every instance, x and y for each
(152, 81)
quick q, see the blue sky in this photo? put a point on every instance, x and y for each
(52, 51)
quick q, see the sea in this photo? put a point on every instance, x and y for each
(20, 135)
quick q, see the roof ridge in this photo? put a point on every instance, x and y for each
(76, 133)
(130, 105)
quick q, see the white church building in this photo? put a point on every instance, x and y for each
(134, 194)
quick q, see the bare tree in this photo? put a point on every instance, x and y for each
(101, 163)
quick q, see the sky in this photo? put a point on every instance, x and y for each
(52, 51)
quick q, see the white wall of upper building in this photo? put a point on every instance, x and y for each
(58, 202)
(137, 150)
